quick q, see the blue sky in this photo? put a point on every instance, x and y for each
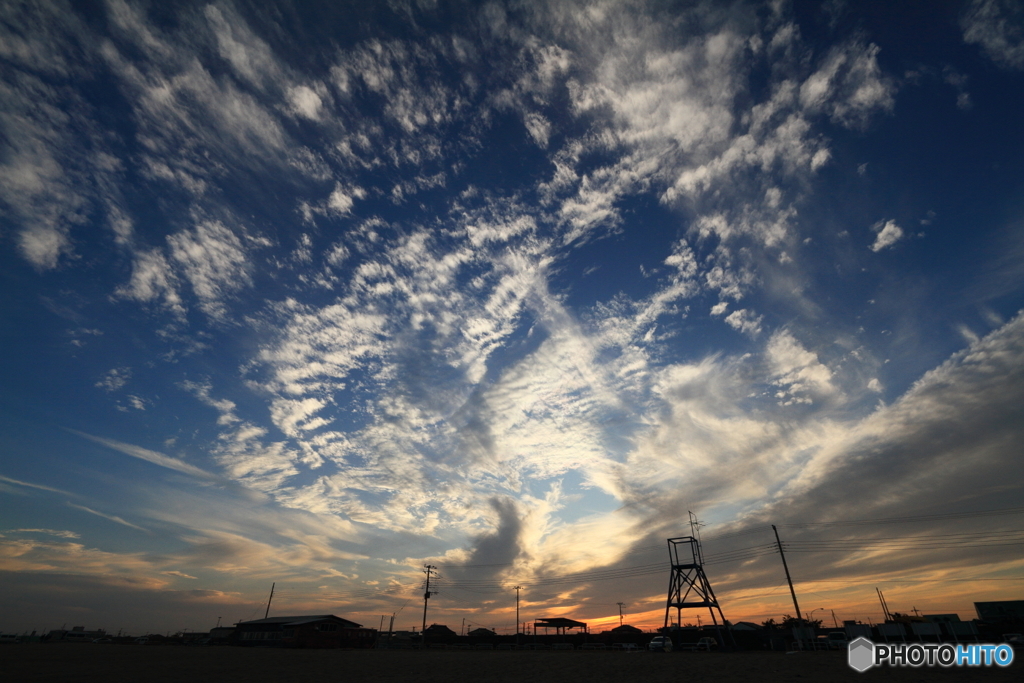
(316, 293)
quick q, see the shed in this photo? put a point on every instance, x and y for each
(560, 624)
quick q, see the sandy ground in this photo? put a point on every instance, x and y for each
(112, 663)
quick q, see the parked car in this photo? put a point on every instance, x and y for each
(102, 640)
(660, 644)
(707, 644)
(837, 640)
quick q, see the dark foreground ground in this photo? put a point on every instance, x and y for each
(84, 663)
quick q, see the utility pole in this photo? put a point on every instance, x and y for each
(428, 569)
(620, 604)
(269, 599)
(518, 588)
(785, 566)
(835, 622)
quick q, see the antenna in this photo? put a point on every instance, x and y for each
(695, 525)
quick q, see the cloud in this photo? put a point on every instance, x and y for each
(152, 278)
(182, 575)
(849, 86)
(947, 438)
(115, 379)
(50, 532)
(305, 102)
(112, 518)
(213, 260)
(225, 407)
(998, 27)
(745, 321)
(150, 456)
(888, 234)
(40, 487)
(796, 371)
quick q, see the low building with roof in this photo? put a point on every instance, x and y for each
(308, 631)
(560, 624)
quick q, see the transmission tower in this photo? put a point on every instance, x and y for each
(689, 586)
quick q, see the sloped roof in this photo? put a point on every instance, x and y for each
(559, 622)
(303, 619)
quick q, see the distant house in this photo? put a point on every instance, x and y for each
(481, 633)
(311, 631)
(439, 631)
(745, 626)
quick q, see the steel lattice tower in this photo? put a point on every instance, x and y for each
(689, 586)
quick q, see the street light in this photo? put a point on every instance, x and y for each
(811, 614)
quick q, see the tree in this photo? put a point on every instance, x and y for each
(791, 622)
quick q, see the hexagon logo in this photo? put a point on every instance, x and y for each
(861, 654)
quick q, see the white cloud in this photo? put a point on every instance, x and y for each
(998, 26)
(214, 261)
(849, 86)
(202, 391)
(115, 379)
(797, 372)
(745, 321)
(294, 416)
(306, 102)
(342, 199)
(152, 278)
(888, 234)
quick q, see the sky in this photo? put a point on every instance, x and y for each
(313, 294)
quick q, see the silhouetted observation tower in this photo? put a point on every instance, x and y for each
(689, 587)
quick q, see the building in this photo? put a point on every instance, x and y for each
(560, 624)
(77, 634)
(310, 631)
(1001, 612)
